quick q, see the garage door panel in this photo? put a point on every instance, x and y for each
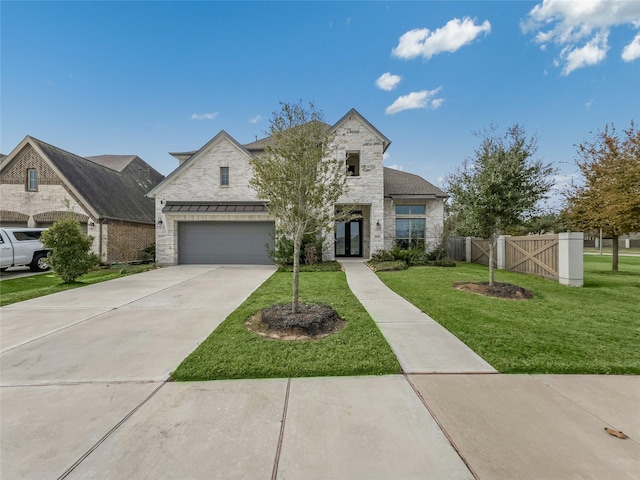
(224, 242)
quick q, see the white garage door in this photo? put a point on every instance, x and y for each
(224, 242)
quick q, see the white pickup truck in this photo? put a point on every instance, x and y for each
(22, 247)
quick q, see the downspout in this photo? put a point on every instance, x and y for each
(100, 238)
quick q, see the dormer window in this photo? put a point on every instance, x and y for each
(224, 176)
(32, 180)
(353, 164)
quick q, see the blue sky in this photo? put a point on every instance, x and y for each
(147, 78)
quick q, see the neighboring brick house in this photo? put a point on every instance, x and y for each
(207, 213)
(41, 183)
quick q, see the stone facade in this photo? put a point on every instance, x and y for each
(197, 179)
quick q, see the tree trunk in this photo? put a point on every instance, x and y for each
(492, 246)
(297, 240)
(615, 248)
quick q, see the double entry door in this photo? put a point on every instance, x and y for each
(349, 239)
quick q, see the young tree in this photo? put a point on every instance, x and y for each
(499, 188)
(299, 177)
(70, 255)
(609, 198)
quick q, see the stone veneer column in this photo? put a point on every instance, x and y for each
(570, 259)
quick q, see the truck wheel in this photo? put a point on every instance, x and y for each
(39, 263)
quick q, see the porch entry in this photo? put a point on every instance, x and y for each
(349, 238)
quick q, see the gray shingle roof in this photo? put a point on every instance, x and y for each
(112, 194)
(114, 162)
(402, 184)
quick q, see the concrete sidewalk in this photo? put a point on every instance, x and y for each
(421, 344)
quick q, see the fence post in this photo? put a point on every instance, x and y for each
(502, 252)
(570, 259)
(467, 249)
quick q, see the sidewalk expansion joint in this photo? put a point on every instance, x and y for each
(274, 473)
(444, 431)
(109, 433)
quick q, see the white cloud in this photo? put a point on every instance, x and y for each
(632, 51)
(422, 99)
(563, 181)
(422, 42)
(204, 116)
(594, 52)
(255, 119)
(588, 22)
(588, 104)
(387, 81)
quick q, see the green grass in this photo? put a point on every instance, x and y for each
(590, 330)
(25, 288)
(332, 266)
(231, 351)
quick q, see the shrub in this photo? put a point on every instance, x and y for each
(388, 266)
(149, 253)
(69, 254)
(310, 250)
(382, 256)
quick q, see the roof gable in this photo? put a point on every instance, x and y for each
(105, 192)
(353, 112)
(195, 157)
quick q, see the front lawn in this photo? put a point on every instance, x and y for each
(25, 288)
(233, 352)
(590, 330)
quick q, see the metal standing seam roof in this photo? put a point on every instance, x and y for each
(215, 207)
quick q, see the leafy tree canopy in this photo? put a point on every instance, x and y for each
(499, 187)
(299, 176)
(609, 196)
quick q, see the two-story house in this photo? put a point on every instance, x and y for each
(207, 213)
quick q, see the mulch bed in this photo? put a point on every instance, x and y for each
(498, 290)
(313, 321)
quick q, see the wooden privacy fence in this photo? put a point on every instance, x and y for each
(557, 257)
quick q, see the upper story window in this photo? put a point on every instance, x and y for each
(353, 164)
(32, 180)
(410, 209)
(224, 176)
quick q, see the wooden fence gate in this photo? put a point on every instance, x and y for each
(537, 255)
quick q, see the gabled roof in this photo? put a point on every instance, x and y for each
(106, 192)
(385, 141)
(193, 158)
(399, 184)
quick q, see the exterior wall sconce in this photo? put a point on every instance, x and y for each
(159, 222)
(91, 223)
(378, 224)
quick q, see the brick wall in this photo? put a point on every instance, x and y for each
(126, 240)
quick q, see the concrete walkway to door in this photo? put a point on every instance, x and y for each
(421, 344)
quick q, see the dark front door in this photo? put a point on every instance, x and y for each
(349, 239)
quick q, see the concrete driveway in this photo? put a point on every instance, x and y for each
(75, 363)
